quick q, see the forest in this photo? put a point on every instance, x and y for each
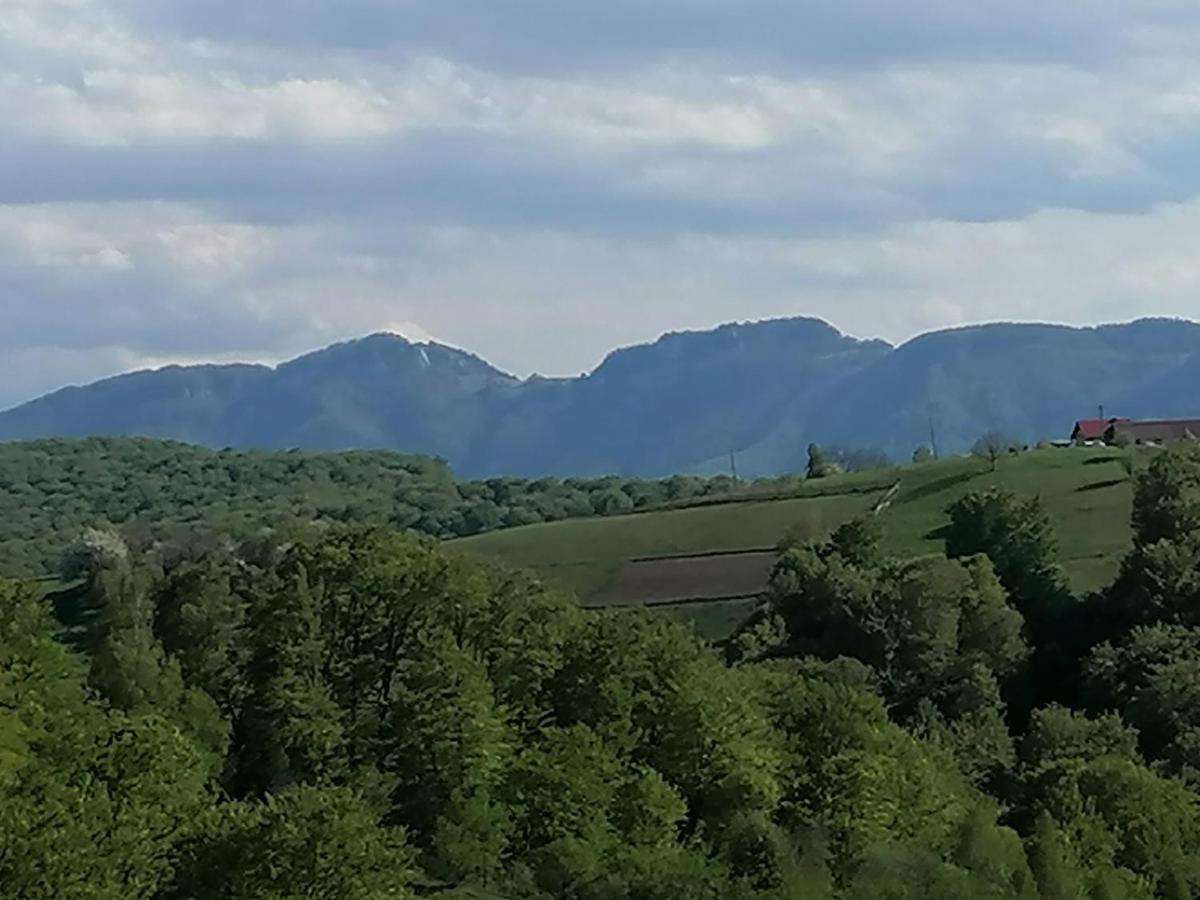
(53, 489)
(354, 712)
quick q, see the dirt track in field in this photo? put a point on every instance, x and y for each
(720, 576)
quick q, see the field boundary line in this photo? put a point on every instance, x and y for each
(702, 554)
(674, 601)
(700, 601)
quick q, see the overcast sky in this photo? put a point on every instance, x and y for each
(542, 180)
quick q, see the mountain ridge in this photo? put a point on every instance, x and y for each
(682, 403)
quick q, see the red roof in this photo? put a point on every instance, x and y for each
(1093, 429)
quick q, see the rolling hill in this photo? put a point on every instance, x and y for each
(707, 563)
(764, 390)
(52, 490)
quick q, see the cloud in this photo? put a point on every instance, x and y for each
(541, 181)
(672, 149)
(590, 35)
(517, 297)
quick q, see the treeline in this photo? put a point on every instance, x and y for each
(51, 490)
(355, 713)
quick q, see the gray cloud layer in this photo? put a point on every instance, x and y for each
(541, 181)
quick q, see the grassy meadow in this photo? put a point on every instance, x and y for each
(1087, 492)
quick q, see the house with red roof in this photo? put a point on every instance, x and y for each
(1094, 429)
(1134, 431)
(1152, 431)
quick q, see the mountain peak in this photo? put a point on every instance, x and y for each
(799, 334)
(411, 332)
(764, 389)
(384, 351)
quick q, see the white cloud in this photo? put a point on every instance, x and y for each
(183, 181)
(518, 297)
(111, 106)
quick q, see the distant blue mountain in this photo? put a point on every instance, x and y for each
(763, 390)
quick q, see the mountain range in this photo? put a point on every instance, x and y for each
(761, 390)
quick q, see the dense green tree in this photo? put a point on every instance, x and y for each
(290, 730)
(986, 861)
(920, 624)
(1057, 734)
(1126, 824)
(452, 744)
(1126, 820)
(1158, 582)
(1017, 536)
(1158, 579)
(304, 842)
(819, 463)
(93, 802)
(665, 702)
(199, 619)
(611, 503)
(131, 669)
(57, 490)
(1167, 497)
(1153, 678)
(406, 721)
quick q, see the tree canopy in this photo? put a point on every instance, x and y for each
(52, 490)
(355, 712)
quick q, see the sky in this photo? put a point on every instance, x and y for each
(541, 181)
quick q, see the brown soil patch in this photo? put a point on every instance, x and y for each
(721, 576)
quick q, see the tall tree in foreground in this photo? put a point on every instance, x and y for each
(1159, 579)
(1016, 534)
(93, 801)
(303, 842)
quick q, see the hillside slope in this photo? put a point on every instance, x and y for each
(706, 562)
(682, 404)
(51, 491)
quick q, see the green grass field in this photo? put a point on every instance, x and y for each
(585, 554)
(1086, 491)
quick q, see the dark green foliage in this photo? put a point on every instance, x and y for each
(1167, 500)
(399, 718)
(1128, 823)
(52, 492)
(986, 861)
(1153, 678)
(92, 801)
(1159, 580)
(1017, 536)
(355, 713)
(820, 464)
(921, 625)
(938, 634)
(858, 541)
(306, 842)
(1057, 734)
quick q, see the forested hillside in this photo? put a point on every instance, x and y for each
(50, 491)
(355, 713)
(762, 391)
